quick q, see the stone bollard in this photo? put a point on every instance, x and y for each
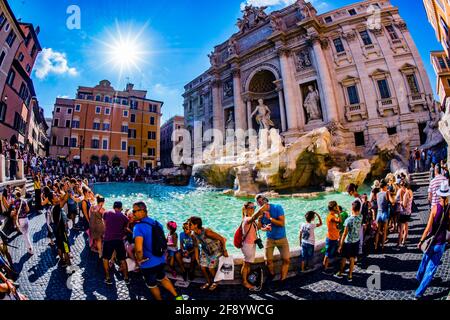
(20, 170)
(2, 169)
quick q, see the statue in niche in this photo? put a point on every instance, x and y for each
(312, 104)
(262, 113)
(230, 122)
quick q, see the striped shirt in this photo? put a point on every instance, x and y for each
(435, 185)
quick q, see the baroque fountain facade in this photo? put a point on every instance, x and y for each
(295, 99)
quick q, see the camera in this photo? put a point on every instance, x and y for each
(259, 243)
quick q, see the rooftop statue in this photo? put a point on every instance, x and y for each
(303, 10)
(252, 17)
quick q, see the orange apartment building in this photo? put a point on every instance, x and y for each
(108, 126)
(19, 48)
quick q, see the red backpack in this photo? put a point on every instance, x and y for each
(239, 237)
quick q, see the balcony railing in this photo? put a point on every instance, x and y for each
(356, 110)
(417, 101)
(388, 104)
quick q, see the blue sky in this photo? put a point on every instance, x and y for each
(176, 37)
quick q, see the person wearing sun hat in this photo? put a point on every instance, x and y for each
(437, 226)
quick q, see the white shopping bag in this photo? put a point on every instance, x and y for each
(225, 270)
(131, 264)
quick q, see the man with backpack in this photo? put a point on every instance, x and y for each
(150, 246)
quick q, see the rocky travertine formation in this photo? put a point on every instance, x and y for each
(357, 174)
(178, 176)
(313, 160)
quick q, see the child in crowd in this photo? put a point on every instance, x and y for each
(349, 245)
(187, 249)
(344, 216)
(172, 250)
(333, 235)
(307, 238)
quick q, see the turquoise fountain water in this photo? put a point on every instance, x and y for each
(219, 212)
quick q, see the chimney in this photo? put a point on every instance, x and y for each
(37, 30)
(130, 87)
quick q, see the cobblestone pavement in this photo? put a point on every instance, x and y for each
(41, 279)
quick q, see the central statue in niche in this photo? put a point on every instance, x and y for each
(312, 104)
(262, 113)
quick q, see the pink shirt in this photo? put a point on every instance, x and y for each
(250, 238)
(435, 185)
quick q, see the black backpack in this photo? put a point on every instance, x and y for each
(159, 241)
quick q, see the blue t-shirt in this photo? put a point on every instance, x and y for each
(144, 229)
(186, 240)
(277, 233)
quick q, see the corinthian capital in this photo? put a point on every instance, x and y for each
(216, 83)
(284, 52)
(236, 73)
(401, 25)
(349, 36)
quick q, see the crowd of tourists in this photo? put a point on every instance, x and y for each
(94, 172)
(422, 160)
(139, 243)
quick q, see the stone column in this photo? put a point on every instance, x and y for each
(329, 102)
(282, 106)
(217, 105)
(20, 170)
(249, 113)
(2, 168)
(289, 87)
(239, 106)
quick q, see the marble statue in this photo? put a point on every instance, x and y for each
(213, 58)
(434, 136)
(263, 116)
(312, 104)
(252, 17)
(303, 11)
(276, 22)
(230, 121)
(232, 48)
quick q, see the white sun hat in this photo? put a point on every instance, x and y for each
(444, 190)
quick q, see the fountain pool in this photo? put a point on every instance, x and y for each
(219, 212)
